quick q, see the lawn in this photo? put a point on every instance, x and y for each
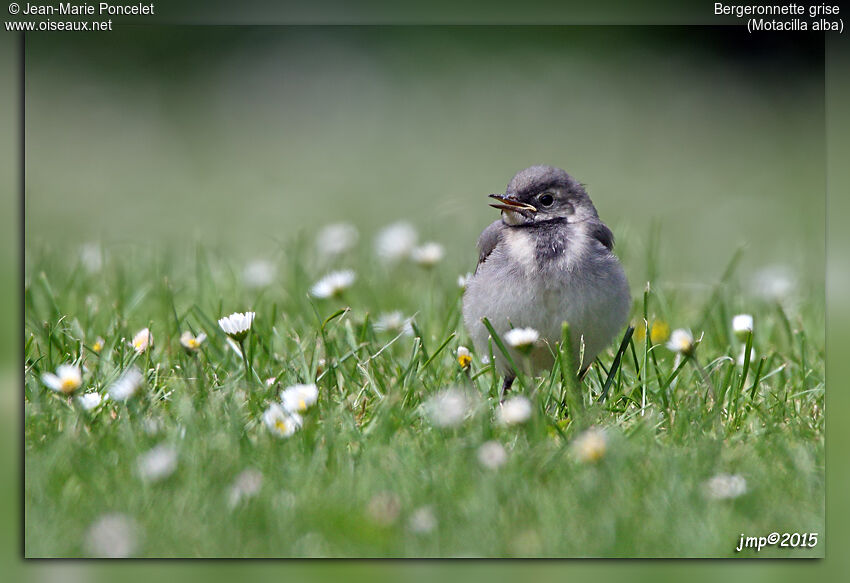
(406, 452)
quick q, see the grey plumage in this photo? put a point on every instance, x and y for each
(548, 260)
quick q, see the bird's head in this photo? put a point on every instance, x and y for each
(543, 193)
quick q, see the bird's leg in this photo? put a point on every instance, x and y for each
(506, 386)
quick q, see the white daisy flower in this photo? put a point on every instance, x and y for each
(448, 408)
(281, 422)
(521, 338)
(394, 322)
(98, 345)
(463, 280)
(515, 410)
(336, 238)
(395, 242)
(299, 398)
(126, 385)
(237, 325)
(247, 485)
(492, 455)
(89, 401)
(681, 341)
(590, 445)
(112, 536)
(142, 341)
(774, 282)
(259, 273)
(91, 256)
(725, 486)
(191, 342)
(151, 426)
(428, 254)
(157, 463)
(68, 378)
(464, 357)
(333, 284)
(422, 520)
(384, 508)
(742, 326)
(743, 355)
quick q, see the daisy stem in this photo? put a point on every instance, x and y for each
(248, 375)
(705, 379)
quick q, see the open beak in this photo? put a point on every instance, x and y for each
(510, 203)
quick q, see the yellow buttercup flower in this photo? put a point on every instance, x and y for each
(659, 331)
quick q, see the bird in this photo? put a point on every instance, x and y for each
(547, 260)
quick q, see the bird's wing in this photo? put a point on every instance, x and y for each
(600, 232)
(488, 241)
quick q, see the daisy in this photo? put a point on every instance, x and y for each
(725, 486)
(742, 326)
(743, 355)
(91, 256)
(333, 284)
(515, 410)
(237, 325)
(394, 322)
(422, 521)
(336, 238)
(299, 398)
(247, 485)
(89, 401)
(67, 379)
(492, 455)
(463, 280)
(126, 385)
(681, 341)
(191, 342)
(112, 536)
(521, 338)
(428, 254)
(259, 273)
(158, 463)
(384, 508)
(590, 445)
(774, 282)
(98, 345)
(448, 408)
(464, 357)
(281, 422)
(142, 341)
(395, 242)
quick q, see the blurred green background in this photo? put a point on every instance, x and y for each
(243, 137)
(130, 140)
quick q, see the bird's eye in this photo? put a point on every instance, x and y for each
(546, 199)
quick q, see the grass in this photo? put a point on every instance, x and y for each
(351, 481)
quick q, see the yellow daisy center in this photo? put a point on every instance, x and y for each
(463, 360)
(69, 384)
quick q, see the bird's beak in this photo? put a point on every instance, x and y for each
(510, 203)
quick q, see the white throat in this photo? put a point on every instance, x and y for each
(512, 219)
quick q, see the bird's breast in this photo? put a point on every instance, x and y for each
(521, 248)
